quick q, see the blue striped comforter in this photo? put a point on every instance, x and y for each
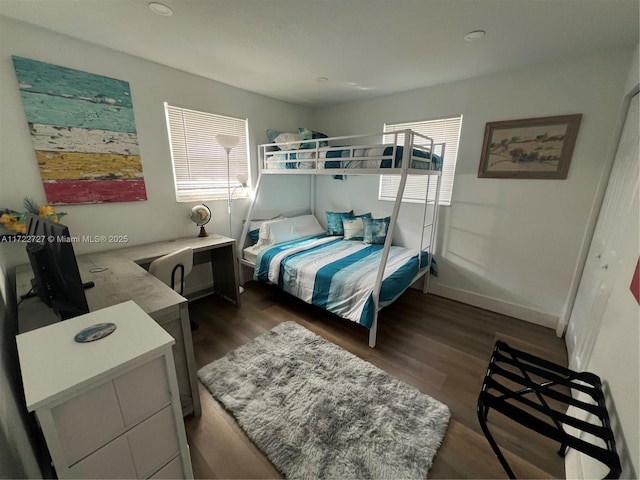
(336, 274)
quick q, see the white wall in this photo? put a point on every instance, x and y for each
(160, 217)
(507, 245)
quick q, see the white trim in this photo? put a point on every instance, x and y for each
(495, 305)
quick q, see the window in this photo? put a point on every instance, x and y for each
(199, 162)
(441, 130)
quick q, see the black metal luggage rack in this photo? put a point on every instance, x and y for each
(537, 377)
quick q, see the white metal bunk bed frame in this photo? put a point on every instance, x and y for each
(285, 155)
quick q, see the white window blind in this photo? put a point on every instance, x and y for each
(441, 130)
(199, 162)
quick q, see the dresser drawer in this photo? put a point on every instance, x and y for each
(154, 442)
(111, 461)
(137, 453)
(173, 469)
(88, 421)
(143, 391)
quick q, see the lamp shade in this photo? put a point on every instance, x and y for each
(227, 141)
(242, 178)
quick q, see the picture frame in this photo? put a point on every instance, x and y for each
(532, 148)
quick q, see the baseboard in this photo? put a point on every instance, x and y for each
(493, 304)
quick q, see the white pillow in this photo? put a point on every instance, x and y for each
(285, 230)
(255, 224)
(292, 141)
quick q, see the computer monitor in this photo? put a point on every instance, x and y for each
(56, 276)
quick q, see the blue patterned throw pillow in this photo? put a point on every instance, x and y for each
(334, 222)
(306, 134)
(375, 229)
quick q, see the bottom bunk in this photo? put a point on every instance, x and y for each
(337, 274)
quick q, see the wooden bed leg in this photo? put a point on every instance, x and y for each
(373, 331)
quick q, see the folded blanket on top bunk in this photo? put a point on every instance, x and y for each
(352, 158)
(338, 275)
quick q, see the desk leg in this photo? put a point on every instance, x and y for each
(191, 361)
(224, 264)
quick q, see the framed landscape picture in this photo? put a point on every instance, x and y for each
(530, 148)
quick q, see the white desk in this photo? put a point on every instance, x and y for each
(108, 408)
(125, 279)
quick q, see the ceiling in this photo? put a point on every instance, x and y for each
(364, 48)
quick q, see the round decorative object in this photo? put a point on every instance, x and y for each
(94, 332)
(200, 215)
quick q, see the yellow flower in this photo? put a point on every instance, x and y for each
(45, 210)
(10, 222)
(16, 221)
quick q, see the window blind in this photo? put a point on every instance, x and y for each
(199, 162)
(440, 130)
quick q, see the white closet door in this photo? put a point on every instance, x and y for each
(603, 260)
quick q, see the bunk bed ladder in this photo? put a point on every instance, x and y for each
(432, 224)
(406, 162)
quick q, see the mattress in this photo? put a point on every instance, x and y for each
(338, 275)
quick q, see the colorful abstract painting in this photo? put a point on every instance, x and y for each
(84, 134)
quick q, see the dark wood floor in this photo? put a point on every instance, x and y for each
(437, 345)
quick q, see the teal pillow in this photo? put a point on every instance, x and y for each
(334, 222)
(306, 134)
(254, 235)
(375, 229)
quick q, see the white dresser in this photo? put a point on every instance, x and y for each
(108, 408)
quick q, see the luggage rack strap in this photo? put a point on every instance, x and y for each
(517, 368)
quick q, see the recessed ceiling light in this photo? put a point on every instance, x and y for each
(160, 9)
(322, 79)
(475, 35)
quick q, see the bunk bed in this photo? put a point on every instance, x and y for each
(353, 277)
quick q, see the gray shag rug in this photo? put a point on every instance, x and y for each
(319, 412)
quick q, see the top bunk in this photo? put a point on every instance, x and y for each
(407, 151)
